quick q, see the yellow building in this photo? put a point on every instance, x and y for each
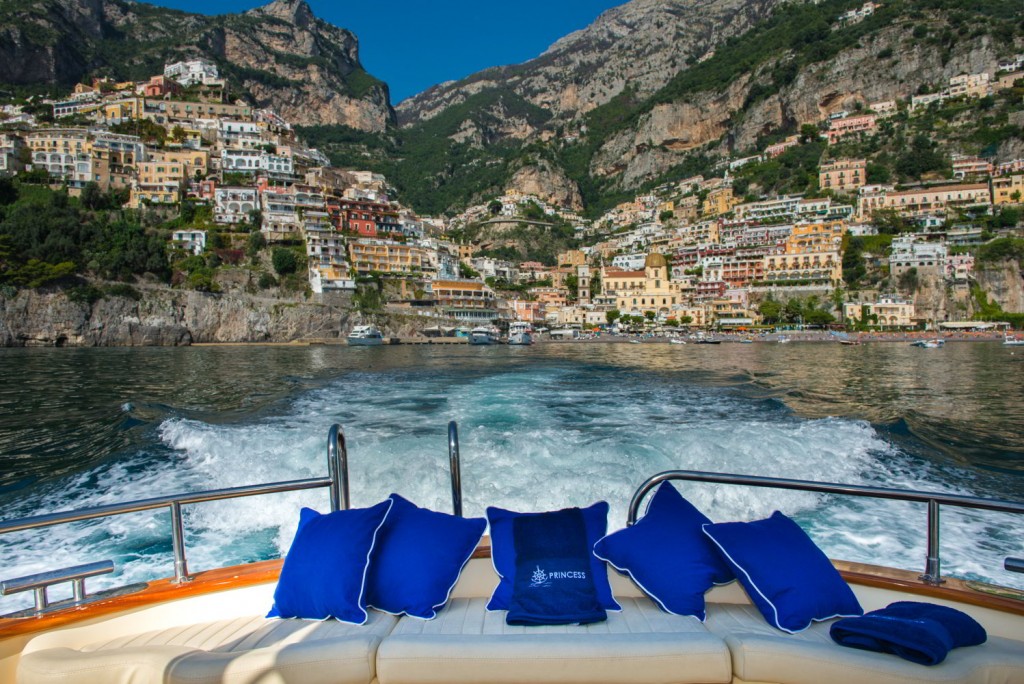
(158, 182)
(384, 257)
(192, 161)
(720, 201)
(651, 289)
(842, 175)
(573, 257)
(889, 312)
(812, 253)
(1008, 189)
(467, 300)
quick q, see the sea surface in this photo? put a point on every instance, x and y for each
(542, 427)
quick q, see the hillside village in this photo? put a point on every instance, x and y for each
(704, 251)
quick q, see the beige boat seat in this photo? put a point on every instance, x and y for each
(761, 653)
(236, 651)
(468, 644)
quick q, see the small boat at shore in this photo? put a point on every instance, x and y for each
(520, 333)
(482, 335)
(929, 344)
(365, 336)
(1011, 341)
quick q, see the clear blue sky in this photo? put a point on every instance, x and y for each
(414, 44)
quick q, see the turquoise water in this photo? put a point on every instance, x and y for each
(541, 427)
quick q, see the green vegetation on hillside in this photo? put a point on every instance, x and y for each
(45, 236)
(431, 169)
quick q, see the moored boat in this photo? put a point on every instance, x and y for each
(365, 336)
(929, 344)
(482, 335)
(1011, 341)
(520, 333)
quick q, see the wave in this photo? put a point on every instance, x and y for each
(533, 437)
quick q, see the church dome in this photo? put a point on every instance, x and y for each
(656, 261)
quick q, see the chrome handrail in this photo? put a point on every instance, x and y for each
(40, 582)
(932, 573)
(337, 457)
(455, 462)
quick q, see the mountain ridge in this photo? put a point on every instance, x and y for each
(281, 54)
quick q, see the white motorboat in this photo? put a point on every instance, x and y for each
(482, 335)
(520, 333)
(1011, 341)
(209, 626)
(929, 344)
(365, 336)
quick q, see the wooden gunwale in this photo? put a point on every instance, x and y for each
(239, 576)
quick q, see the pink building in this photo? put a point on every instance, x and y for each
(851, 125)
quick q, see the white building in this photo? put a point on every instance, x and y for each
(192, 72)
(909, 252)
(629, 262)
(234, 204)
(192, 240)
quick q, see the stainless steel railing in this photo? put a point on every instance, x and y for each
(932, 573)
(337, 482)
(456, 468)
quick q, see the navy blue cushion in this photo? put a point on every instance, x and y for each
(503, 554)
(324, 572)
(788, 578)
(418, 558)
(667, 554)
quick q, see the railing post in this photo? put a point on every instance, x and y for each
(178, 545)
(456, 467)
(337, 465)
(933, 570)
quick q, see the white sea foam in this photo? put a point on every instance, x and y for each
(530, 440)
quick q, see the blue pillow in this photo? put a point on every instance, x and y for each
(788, 578)
(418, 558)
(324, 572)
(503, 554)
(667, 554)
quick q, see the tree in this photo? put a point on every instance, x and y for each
(770, 310)
(612, 316)
(595, 283)
(8, 191)
(808, 133)
(650, 315)
(255, 243)
(494, 207)
(572, 283)
(284, 261)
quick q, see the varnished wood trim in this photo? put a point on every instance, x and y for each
(239, 576)
(951, 589)
(207, 582)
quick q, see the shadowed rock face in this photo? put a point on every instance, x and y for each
(305, 69)
(642, 44)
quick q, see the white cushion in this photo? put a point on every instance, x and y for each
(239, 651)
(468, 644)
(761, 653)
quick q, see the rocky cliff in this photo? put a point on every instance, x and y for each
(280, 54)
(163, 318)
(642, 43)
(727, 118)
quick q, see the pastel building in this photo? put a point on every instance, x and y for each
(888, 312)
(851, 125)
(842, 175)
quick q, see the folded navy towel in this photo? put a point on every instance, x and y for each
(920, 632)
(962, 628)
(553, 584)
